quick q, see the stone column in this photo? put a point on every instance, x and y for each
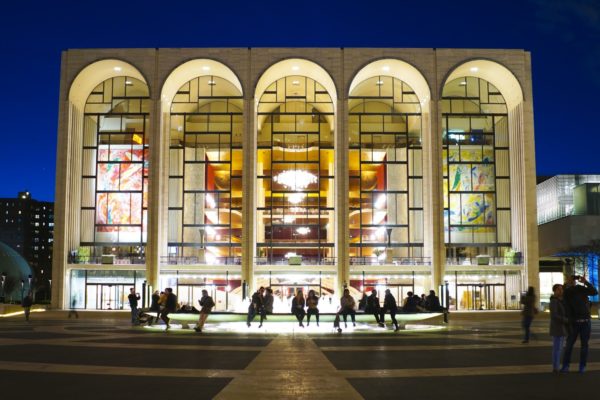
(342, 187)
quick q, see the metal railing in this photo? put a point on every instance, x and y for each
(193, 260)
(296, 260)
(484, 260)
(107, 259)
(394, 261)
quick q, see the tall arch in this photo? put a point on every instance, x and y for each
(485, 174)
(294, 210)
(202, 110)
(388, 128)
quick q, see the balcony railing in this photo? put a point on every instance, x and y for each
(485, 260)
(193, 260)
(107, 259)
(394, 261)
(294, 260)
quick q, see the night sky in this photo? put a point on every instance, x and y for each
(563, 37)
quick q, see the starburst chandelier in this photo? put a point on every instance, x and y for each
(295, 179)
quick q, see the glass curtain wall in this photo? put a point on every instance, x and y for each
(114, 192)
(295, 173)
(386, 177)
(205, 173)
(476, 183)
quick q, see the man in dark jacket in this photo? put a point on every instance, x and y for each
(256, 305)
(389, 304)
(170, 307)
(577, 305)
(373, 306)
(432, 302)
(133, 304)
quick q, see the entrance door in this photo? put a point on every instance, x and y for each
(482, 296)
(107, 297)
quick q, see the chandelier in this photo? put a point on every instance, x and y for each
(295, 179)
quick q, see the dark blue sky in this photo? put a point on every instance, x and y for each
(562, 35)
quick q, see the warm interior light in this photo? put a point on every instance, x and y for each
(380, 202)
(385, 68)
(118, 69)
(295, 68)
(295, 83)
(288, 219)
(295, 179)
(128, 83)
(463, 83)
(296, 198)
(474, 69)
(212, 83)
(303, 230)
(206, 68)
(379, 83)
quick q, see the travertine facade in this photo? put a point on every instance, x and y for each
(427, 71)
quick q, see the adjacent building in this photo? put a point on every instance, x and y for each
(233, 168)
(27, 226)
(569, 238)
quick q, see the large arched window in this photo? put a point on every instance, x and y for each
(295, 172)
(476, 169)
(114, 195)
(205, 171)
(385, 166)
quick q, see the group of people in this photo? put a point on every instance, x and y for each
(262, 304)
(570, 318)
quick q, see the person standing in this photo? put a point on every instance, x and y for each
(206, 305)
(389, 304)
(256, 305)
(73, 310)
(267, 308)
(298, 304)
(373, 306)
(170, 306)
(528, 312)
(577, 306)
(558, 324)
(312, 303)
(133, 304)
(26, 303)
(347, 307)
(154, 306)
(432, 302)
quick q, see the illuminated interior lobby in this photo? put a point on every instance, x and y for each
(231, 169)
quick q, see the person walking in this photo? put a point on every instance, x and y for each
(558, 324)
(298, 304)
(348, 307)
(577, 306)
(170, 306)
(373, 306)
(528, 312)
(267, 308)
(133, 304)
(389, 305)
(73, 310)
(312, 303)
(26, 303)
(206, 305)
(256, 305)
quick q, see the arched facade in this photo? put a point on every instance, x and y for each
(230, 169)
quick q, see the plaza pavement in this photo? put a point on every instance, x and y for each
(103, 357)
